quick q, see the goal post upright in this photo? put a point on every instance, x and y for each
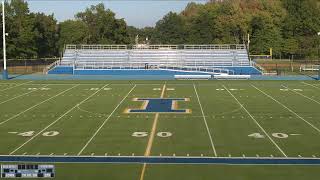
(5, 72)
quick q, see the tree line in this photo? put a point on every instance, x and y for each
(289, 27)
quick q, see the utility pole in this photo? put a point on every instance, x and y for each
(248, 43)
(5, 73)
(248, 47)
(319, 55)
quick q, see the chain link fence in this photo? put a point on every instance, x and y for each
(27, 66)
(288, 67)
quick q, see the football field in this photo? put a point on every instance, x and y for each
(223, 119)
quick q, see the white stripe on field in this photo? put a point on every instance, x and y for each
(256, 122)
(105, 121)
(15, 86)
(311, 85)
(205, 122)
(310, 124)
(36, 105)
(21, 95)
(57, 119)
(302, 95)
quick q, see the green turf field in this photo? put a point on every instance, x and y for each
(227, 119)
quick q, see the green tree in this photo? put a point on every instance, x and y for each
(103, 27)
(202, 29)
(73, 32)
(171, 29)
(46, 36)
(19, 25)
(302, 24)
(265, 35)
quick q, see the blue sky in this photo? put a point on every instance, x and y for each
(139, 13)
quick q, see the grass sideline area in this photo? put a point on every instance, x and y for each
(227, 119)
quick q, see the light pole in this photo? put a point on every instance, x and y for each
(5, 73)
(318, 55)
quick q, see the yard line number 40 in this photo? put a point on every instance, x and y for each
(31, 133)
(276, 135)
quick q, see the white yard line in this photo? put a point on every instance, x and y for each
(310, 124)
(21, 95)
(105, 121)
(151, 137)
(14, 86)
(58, 118)
(36, 105)
(302, 95)
(154, 127)
(8, 83)
(311, 85)
(257, 123)
(205, 122)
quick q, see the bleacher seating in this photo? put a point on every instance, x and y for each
(233, 58)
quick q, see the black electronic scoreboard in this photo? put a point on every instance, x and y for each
(27, 171)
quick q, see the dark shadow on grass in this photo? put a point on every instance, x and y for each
(15, 76)
(312, 77)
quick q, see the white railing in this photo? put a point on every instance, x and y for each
(96, 46)
(51, 66)
(309, 68)
(216, 46)
(158, 46)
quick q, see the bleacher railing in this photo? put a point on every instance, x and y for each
(309, 67)
(182, 57)
(216, 46)
(95, 47)
(158, 47)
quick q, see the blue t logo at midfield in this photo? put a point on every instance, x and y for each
(159, 105)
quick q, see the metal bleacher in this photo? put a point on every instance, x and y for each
(200, 58)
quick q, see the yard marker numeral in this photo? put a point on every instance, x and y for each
(144, 134)
(230, 89)
(41, 89)
(280, 135)
(276, 135)
(164, 134)
(50, 133)
(140, 134)
(284, 89)
(256, 135)
(31, 133)
(26, 134)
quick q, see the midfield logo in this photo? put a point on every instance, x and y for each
(159, 105)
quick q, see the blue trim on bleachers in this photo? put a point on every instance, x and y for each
(61, 70)
(245, 70)
(138, 77)
(161, 160)
(130, 72)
